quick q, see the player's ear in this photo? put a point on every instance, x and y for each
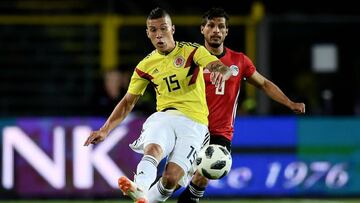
(173, 29)
(227, 32)
(147, 33)
(202, 29)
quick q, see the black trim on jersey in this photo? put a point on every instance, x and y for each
(149, 78)
(168, 108)
(221, 55)
(196, 45)
(192, 69)
(150, 54)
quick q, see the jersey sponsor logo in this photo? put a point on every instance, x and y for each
(155, 71)
(179, 61)
(234, 70)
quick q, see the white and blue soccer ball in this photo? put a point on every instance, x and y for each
(214, 162)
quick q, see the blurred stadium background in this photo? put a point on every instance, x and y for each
(64, 64)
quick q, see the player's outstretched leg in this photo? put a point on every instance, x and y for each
(130, 189)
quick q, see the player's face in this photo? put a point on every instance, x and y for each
(215, 31)
(160, 31)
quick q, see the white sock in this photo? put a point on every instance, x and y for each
(146, 172)
(158, 193)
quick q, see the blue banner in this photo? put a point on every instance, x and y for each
(282, 156)
(265, 132)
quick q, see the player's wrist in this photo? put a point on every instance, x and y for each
(104, 130)
(226, 72)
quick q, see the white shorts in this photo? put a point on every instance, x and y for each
(179, 137)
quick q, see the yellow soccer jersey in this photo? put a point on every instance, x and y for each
(177, 78)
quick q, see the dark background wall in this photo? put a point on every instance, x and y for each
(55, 70)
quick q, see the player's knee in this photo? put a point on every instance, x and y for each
(169, 182)
(172, 175)
(154, 150)
(200, 180)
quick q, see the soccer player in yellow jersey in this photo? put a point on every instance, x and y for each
(179, 127)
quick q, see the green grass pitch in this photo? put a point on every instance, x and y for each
(203, 201)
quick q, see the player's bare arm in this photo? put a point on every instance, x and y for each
(219, 72)
(275, 92)
(122, 109)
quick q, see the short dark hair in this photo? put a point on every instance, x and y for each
(157, 13)
(214, 13)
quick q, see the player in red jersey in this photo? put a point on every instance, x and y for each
(222, 101)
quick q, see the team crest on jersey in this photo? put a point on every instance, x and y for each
(179, 61)
(234, 70)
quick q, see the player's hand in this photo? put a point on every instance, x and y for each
(298, 108)
(95, 137)
(217, 78)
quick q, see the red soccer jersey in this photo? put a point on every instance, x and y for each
(222, 102)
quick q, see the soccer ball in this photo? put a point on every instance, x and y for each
(214, 161)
